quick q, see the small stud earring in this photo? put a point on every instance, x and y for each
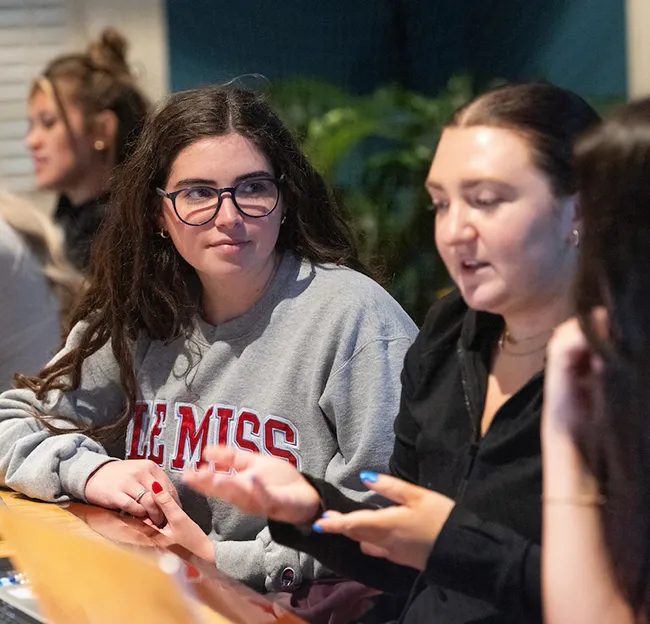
(99, 145)
(163, 233)
(576, 237)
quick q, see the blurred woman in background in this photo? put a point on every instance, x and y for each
(596, 429)
(85, 113)
(38, 287)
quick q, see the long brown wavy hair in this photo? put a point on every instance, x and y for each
(613, 170)
(139, 283)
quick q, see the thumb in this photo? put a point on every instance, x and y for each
(167, 503)
(394, 489)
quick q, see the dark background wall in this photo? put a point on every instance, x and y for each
(360, 44)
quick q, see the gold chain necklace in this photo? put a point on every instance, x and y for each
(506, 338)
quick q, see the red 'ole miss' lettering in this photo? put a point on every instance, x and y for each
(176, 439)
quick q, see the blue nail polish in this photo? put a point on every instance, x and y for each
(316, 528)
(369, 477)
(324, 515)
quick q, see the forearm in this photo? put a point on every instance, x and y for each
(45, 466)
(578, 582)
(490, 562)
(340, 554)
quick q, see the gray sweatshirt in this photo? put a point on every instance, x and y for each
(310, 374)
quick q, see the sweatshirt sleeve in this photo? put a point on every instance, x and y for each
(52, 467)
(488, 561)
(264, 564)
(341, 554)
(360, 400)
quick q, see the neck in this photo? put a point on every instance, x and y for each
(228, 298)
(91, 184)
(537, 322)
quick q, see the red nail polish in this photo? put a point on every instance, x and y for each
(192, 572)
(156, 488)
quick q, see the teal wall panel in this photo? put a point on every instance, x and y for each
(361, 44)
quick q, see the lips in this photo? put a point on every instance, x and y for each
(228, 243)
(472, 265)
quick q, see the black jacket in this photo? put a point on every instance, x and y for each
(80, 225)
(485, 564)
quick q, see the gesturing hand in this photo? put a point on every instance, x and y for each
(573, 382)
(404, 534)
(265, 486)
(126, 485)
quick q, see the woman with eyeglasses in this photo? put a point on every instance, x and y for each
(462, 541)
(85, 112)
(227, 305)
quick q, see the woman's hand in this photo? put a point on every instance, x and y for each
(573, 381)
(404, 534)
(180, 528)
(264, 486)
(126, 485)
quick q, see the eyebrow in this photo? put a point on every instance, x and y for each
(185, 182)
(468, 184)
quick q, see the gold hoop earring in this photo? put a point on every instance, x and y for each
(99, 145)
(163, 233)
(576, 237)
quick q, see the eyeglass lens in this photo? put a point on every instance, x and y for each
(255, 198)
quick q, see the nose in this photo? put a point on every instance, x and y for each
(32, 139)
(228, 215)
(454, 225)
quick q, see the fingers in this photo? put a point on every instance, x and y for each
(235, 489)
(153, 510)
(394, 489)
(166, 503)
(142, 501)
(127, 503)
(226, 458)
(374, 550)
(158, 474)
(366, 525)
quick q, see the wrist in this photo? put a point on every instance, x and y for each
(207, 551)
(566, 475)
(313, 511)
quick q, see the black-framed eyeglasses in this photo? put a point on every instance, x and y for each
(198, 205)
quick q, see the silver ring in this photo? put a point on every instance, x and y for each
(139, 495)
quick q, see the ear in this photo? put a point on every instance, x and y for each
(104, 128)
(571, 212)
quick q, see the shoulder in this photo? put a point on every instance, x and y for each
(345, 294)
(12, 247)
(443, 324)
(449, 311)
(21, 274)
